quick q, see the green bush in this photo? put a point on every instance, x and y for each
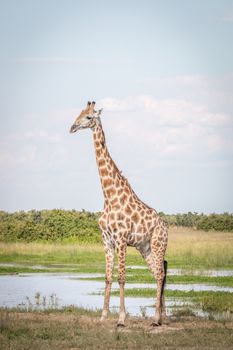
(51, 225)
(217, 222)
(72, 225)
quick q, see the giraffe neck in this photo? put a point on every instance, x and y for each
(110, 176)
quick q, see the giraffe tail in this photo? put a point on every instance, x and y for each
(165, 275)
(163, 286)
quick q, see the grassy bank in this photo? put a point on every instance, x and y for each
(144, 276)
(77, 329)
(206, 300)
(187, 249)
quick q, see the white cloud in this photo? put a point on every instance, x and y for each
(168, 127)
(166, 111)
(215, 92)
(227, 18)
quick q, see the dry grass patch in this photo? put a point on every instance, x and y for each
(73, 331)
(192, 248)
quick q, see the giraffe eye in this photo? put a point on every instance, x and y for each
(88, 117)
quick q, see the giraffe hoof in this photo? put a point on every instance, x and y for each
(120, 325)
(156, 324)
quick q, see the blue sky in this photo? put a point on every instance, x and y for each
(162, 71)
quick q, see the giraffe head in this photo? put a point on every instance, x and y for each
(87, 118)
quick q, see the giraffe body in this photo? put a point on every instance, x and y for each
(125, 221)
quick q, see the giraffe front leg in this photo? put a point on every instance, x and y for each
(109, 257)
(121, 280)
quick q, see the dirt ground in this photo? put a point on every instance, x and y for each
(132, 323)
(72, 331)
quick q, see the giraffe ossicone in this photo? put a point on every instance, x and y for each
(125, 220)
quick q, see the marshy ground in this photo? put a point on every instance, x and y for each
(188, 249)
(195, 258)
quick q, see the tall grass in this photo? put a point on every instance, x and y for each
(191, 248)
(51, 253)
(187, 248)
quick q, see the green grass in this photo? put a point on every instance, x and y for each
(207, 300)
(217, 302)
(187, 249)
(151, 292)
(138, 277)
(78, 330)
(5, 270)
(50, 269)
(65, 310)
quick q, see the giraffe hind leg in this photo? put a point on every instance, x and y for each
(159, 275)
(158, 266)
(121, 280)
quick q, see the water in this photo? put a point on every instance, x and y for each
(207, 273)
(16, 290)
(179, 272)
(63, 289)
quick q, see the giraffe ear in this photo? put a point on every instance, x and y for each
(100, 111)
(92, 105)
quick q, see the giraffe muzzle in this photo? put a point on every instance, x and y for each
(74, 128)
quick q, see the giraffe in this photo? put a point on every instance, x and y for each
(125, 221)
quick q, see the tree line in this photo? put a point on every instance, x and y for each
(216, 222)
(82, 226)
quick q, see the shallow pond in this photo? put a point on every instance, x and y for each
(59, 290)
(48, 290)
(178, 272)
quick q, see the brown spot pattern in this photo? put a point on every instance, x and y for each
(127, 220)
